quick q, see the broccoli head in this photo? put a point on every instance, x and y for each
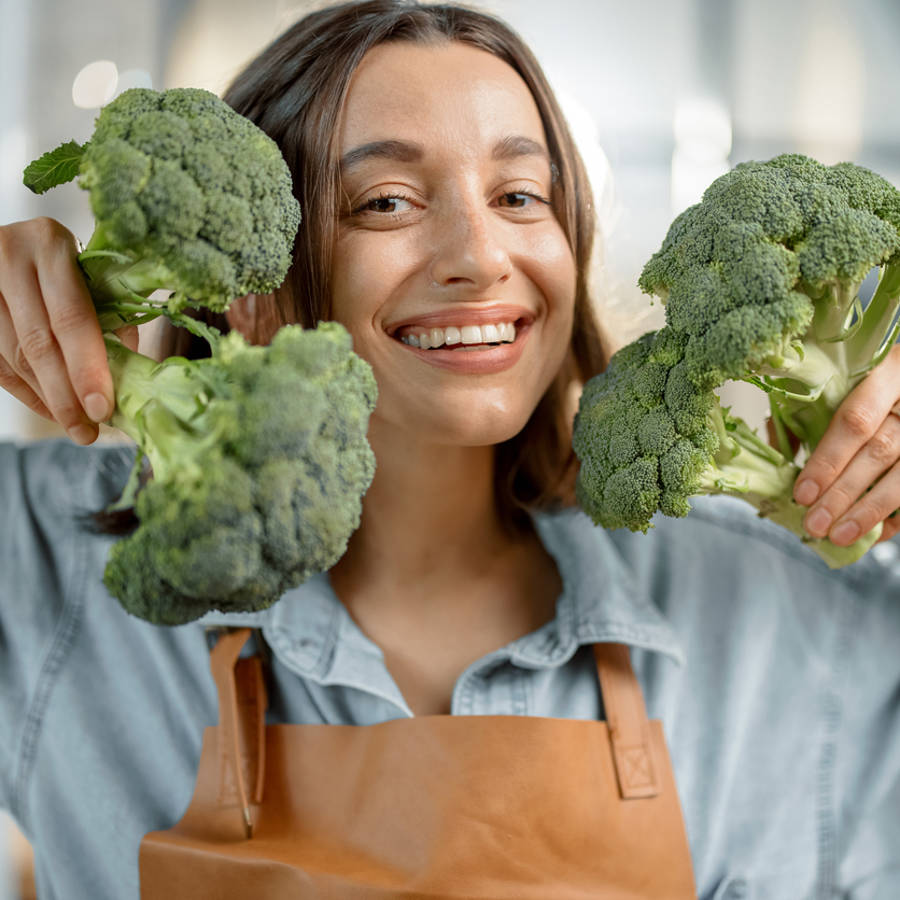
(259, 460)
(188, 196)
(761, 282)
(764, 277)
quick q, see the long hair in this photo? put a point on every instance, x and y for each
(295, 89)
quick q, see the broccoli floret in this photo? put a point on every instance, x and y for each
(188, 197)
(761, 283)
(764, 275)
(259, 459)
(258, 455)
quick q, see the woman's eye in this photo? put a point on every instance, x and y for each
(520, 199)
(387, 203)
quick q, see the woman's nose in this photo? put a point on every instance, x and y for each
(471, 247)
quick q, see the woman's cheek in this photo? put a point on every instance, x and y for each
(551, 266)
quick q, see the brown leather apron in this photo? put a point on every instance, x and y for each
(511, 807)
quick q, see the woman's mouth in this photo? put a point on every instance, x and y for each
(468, 349)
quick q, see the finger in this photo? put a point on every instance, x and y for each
(854, 423)
(13, 384)
(891, 529)
(873, 507)
(38, 348)
(75, 327)
(879, 454)
(15, 363)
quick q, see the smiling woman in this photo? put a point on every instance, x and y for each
(459, 707)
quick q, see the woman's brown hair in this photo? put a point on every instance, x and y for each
(295, 89)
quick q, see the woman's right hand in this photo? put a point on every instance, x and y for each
(52, 355)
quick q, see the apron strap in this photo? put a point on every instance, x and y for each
(626, 718)
(242, 713)
(243, 701)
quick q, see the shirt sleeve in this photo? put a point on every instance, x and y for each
(45, 490)
(31, 601)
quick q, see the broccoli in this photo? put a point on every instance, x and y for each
(259, 459)
(258, 455)
(188, 197)
(761, 283)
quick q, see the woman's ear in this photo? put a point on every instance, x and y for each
(256, 316)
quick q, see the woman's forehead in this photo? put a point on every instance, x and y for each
(416, 92)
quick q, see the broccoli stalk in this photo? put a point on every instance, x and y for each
(849, 343)
(160, 407)
(121, 285)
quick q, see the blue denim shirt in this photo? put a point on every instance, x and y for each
(777, 682)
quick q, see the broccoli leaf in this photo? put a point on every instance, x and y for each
(54, 167)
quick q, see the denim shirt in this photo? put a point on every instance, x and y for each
(777, 682)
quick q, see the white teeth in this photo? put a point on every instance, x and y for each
(504, 332)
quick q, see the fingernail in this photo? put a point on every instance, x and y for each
(845, 533)
(97, 407)
(818, 522)
(82, 434)
(806, 491)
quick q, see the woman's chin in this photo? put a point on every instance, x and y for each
(462, 429)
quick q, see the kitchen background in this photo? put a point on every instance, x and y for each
(663, 96)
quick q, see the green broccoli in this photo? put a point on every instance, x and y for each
(188, 197)
(761, 283)
(258, 455)
(259, 459)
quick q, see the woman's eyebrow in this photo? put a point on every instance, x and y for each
(512, 146)
(400, 151)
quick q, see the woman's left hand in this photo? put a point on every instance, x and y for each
(860, 450)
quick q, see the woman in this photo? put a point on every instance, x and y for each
(441, 190)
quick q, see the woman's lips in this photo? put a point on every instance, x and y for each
(480, 361)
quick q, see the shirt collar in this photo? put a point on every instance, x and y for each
(601, 601)
(315, 636)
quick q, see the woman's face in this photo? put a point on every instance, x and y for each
(447, 240)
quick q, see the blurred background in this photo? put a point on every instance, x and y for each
(663, 96)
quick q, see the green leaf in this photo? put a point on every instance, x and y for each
(54, 167)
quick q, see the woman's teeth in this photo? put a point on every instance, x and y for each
(468, 334)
